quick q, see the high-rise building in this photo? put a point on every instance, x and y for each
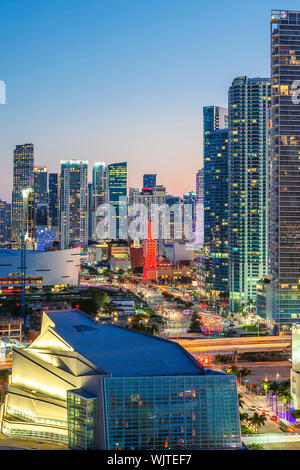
(22, 179)
(117, 192)
(53, 204)
(214, 117)
(73, 203)
(5, 222)
(284, 167)
(100, 193)
(199, 231)
(216, 211)
(100, 183)
(91, 220)
(29, 228)
(40, 196)
(214, 269)
(149, 181)
(248, 113)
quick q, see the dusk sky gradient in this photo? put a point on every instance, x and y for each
(124, 80)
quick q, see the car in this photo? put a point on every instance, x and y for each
(273, 418)
(252, 408)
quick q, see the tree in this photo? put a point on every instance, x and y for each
(296, 414)
(255, 447)
(244, 417)
(196, 323)
(221, 358)
(241, 401)
(258, 420)
(244, 372)
(274, 387)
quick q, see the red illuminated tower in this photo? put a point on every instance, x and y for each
(150, 271)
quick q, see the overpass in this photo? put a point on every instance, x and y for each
(235, 346)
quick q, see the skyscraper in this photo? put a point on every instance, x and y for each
(216, 211)
(199, 232)
(214, 117)
(248, 101)
(53, 204)
(284, 167)
(22, 179)
(5, 222)
(40, 196)
(149, 181)
(73, 203)
(99, 192)
(215, 156)
(29, 228)
(117, 191)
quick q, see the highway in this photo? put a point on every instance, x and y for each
(240, 345)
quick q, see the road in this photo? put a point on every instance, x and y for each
(258, 400)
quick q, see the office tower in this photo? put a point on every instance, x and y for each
(100, 192)
(248, 101)
(117, 193)
(22, 179)
(199, 232)
(100, 183)
(284, 167)
(40, 188)
(216, 211)
(73, 203)
(149, 181)
(5, 222)
(120, 390)
(53, 204)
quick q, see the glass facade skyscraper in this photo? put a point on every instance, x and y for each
(117, 190)
(216, 211)
(284, 168)
(248, 113)
(22, 179)
(100, 192)
(73, 203)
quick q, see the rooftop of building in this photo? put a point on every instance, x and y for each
(122, 352)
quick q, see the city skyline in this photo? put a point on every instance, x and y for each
(116, 106)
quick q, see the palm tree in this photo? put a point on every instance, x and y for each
(244, 372)
(244, 417)
(241, 401)
(274, 387)
(258, 420)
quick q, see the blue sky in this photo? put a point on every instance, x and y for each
(115, 80)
